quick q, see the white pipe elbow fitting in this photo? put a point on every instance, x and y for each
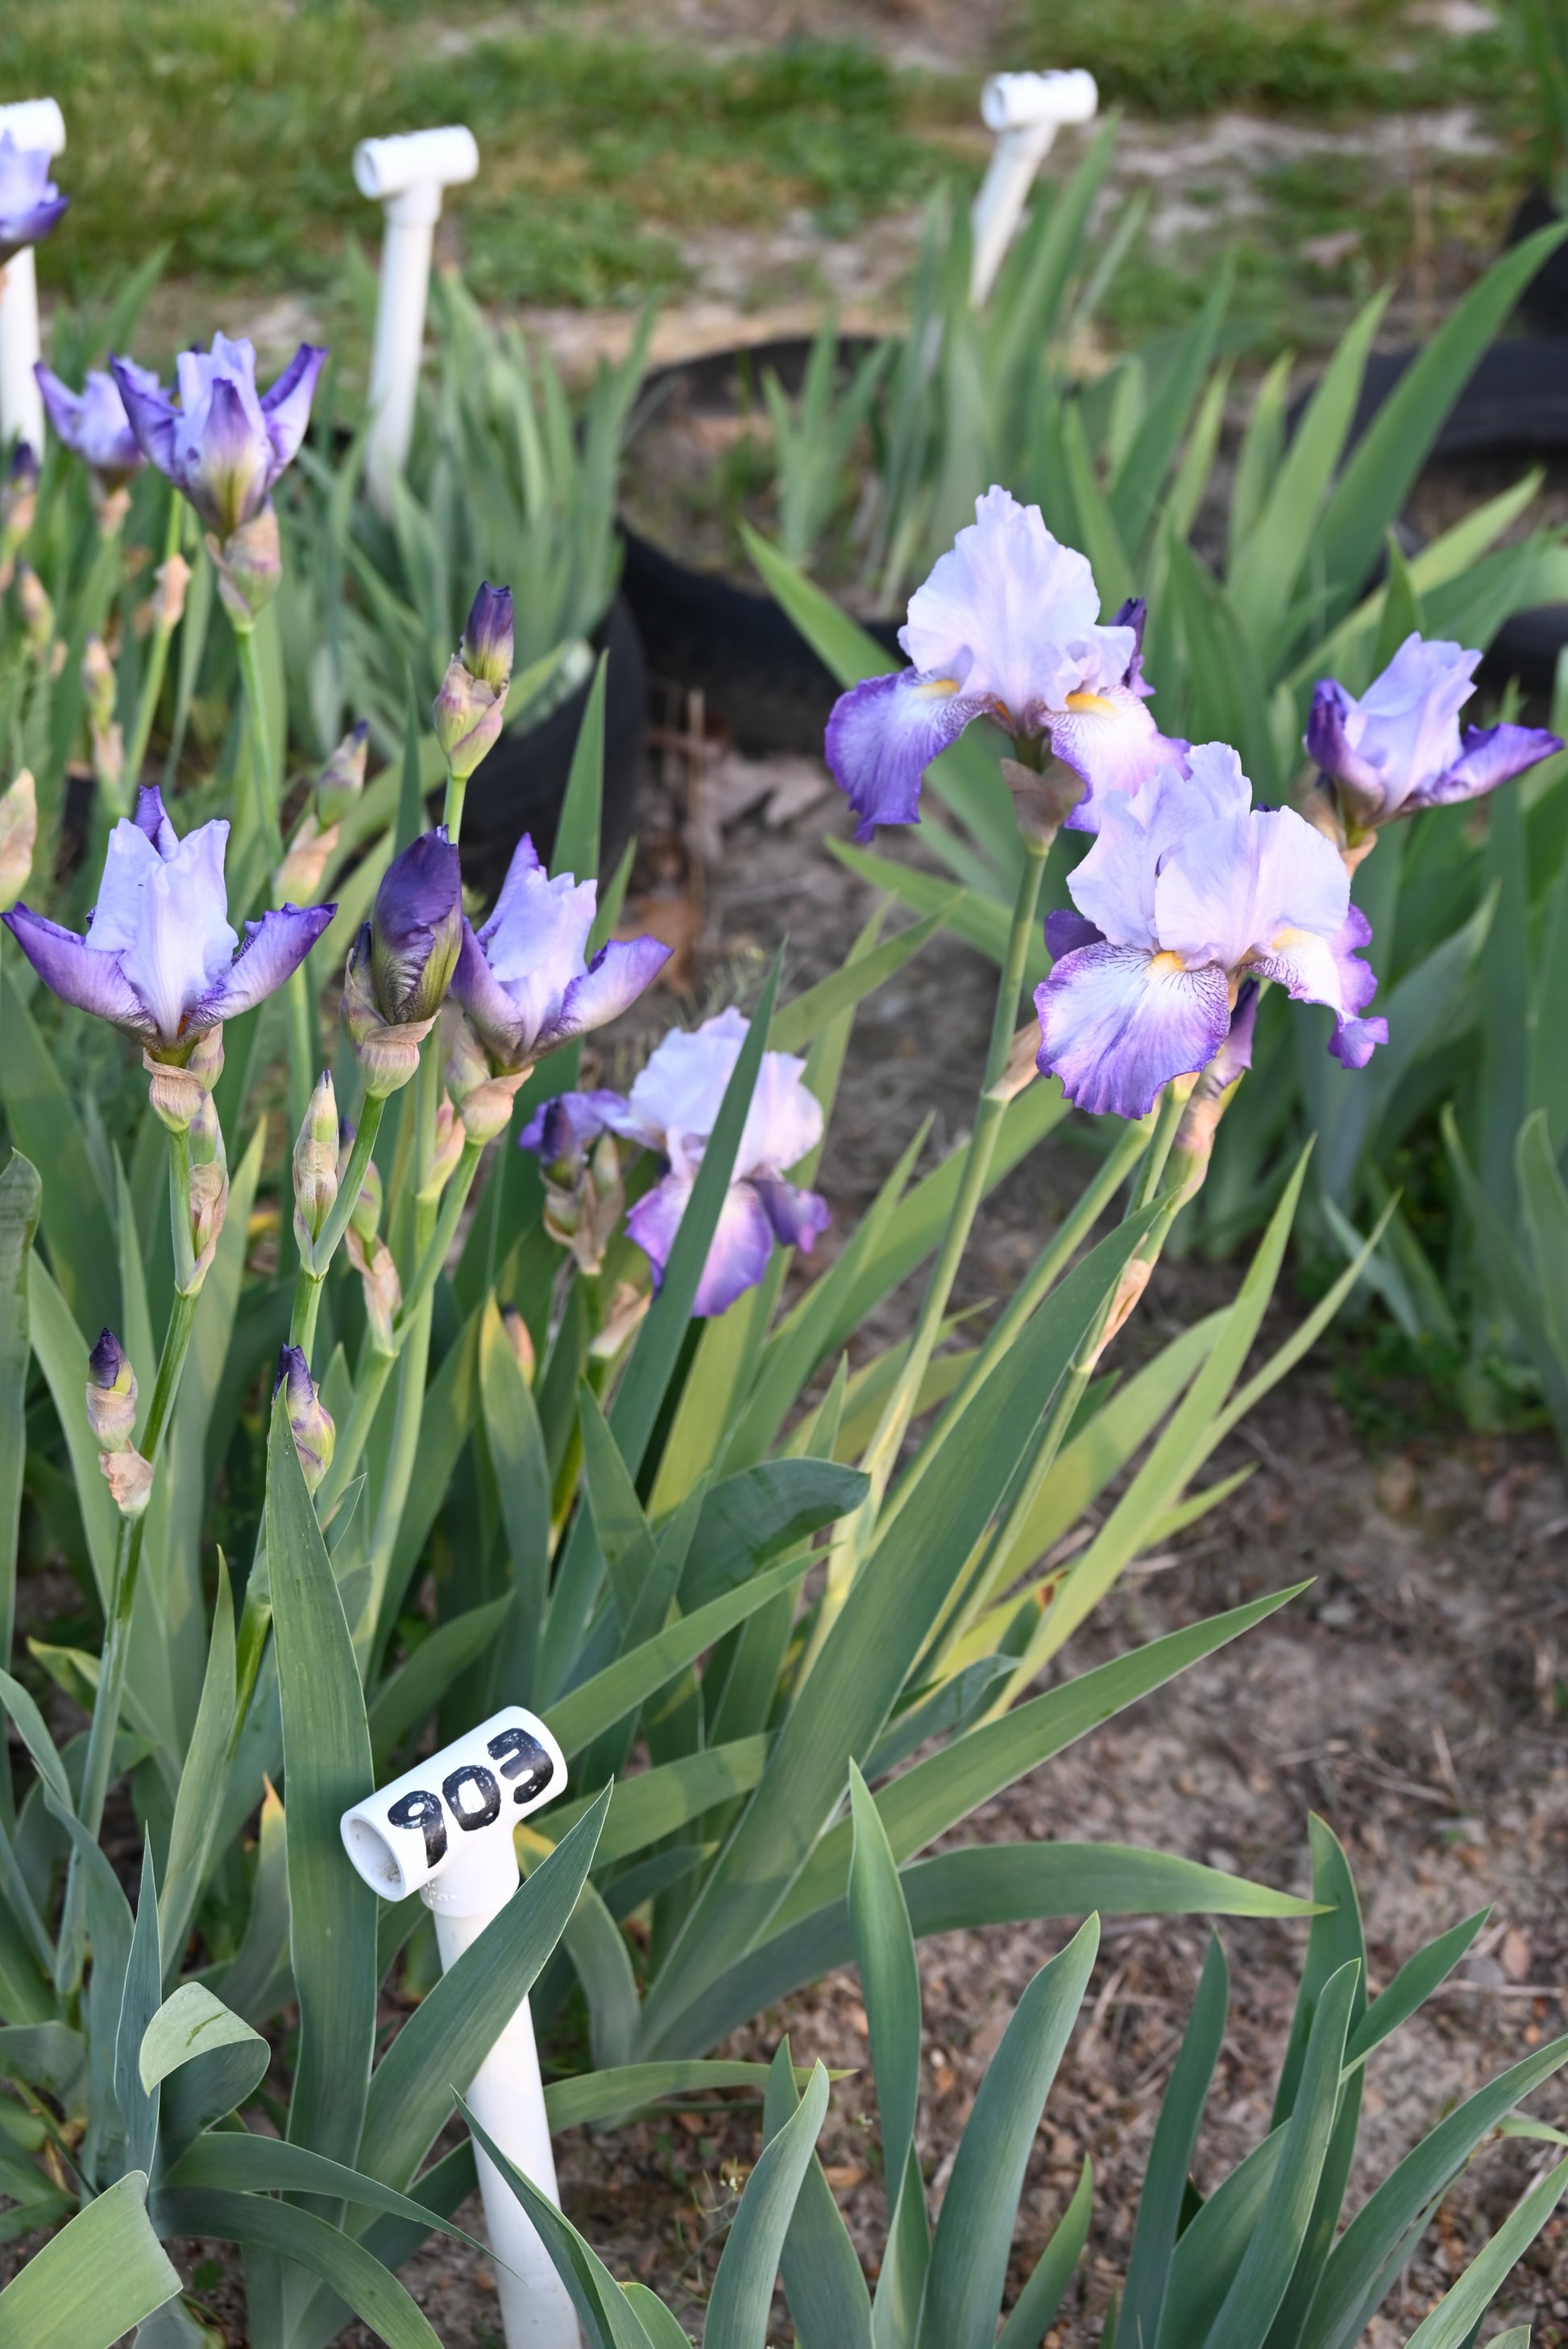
(444, 1829)
(1020, 101)
(36, 122)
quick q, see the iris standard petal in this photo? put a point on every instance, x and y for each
(681, 1088)
(883, 734)
(286, 405)
(78, 973)
(151, 413)
(1116, 1025)
(798, 1217)
(130, 860)
(1025, 606)
(618, 974)
(183, 943)
(1489, 755)
(494, 1014)
(272, 949)
(524, 861)
(535, 943)
(784, 1121)
(151, 817)
(1234, 888)
(1110, 738)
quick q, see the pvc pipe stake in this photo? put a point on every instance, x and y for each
(32, 122)
(444, 1830)
(406, 176)
(1026, 110)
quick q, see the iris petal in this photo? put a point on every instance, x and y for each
(1117, 1024)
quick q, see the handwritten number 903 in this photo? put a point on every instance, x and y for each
(472, 1793)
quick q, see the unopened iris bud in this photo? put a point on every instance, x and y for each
(98, 683)
(298, 880)
(486, 646)
(402, 961)
(471, 709)
(315, 1164)
(483, 1101)
(19, 505)
(383, 1292)
(209, 1207)
(111, 1393)
(111, 1416)
(18, 837)
(309, 1419)
(177, 1092)
(447, 1150)
(173, 578)
(249, 567)
(515, 1331)
(37, 610)
(342, 779)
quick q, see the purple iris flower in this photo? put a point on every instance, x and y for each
(93, 423)
(523, 978)
(1008, 626)
(30, 203)
(672, 1108)
(1187, 890)
(159, 958)
(1398, 747)
(225, 444)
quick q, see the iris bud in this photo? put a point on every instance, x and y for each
(315, 1164)
(111, 1416)
(111, 1393)
(173, 578)
(483, 1101)
(342, 779)
(37, 610)
(449, 1149)
(471, 709)
(19, 505)
(515, 1329)
(249, 567)
(310, 1422)
(400, 964)
(18, 837)
(383, 1292)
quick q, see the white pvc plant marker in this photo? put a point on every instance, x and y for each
(407, 176)
(32, 122)
(1026, 110)
(444, 1830)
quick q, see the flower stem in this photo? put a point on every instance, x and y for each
(310, 1278)
(117, 1639)
(453, 1201)
(855, 1533)
(180, 1209)
(157, 660)
(260, 746)
(452, 807)
(989, 1111)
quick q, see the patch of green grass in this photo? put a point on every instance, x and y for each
(1330, 57)
(224, 127)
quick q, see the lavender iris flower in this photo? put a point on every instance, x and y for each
(30, 203)
(159, 958)
(1398, 747)
(672, 1108)
(1008, 626)
(93, 423)
(1187, 890)
(523, 978)
(224, 445)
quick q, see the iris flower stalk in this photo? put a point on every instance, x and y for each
(1006, 627)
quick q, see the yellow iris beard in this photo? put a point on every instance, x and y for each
(1164, 963)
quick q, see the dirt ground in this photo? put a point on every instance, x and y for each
(1413, 1698)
